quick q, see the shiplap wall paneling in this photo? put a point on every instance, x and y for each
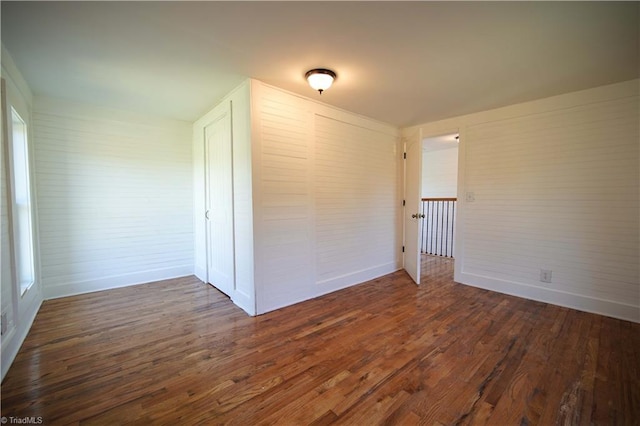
(555, 183)
(558, 191)
(114, 197)
(284, 227)
(325, 198)
(356, 202)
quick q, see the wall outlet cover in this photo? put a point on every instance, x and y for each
(545, 275)
(3, 323)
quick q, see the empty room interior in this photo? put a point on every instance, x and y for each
(320, 213)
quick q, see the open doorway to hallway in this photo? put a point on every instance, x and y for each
(438, 204)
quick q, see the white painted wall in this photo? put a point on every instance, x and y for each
(238, 101)
(115, 197)
(326, 199)
(20, 310)
(556, 186)
(440, 173)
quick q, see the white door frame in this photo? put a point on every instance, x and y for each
(458, 212)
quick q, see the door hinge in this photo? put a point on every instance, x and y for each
(404, 202)
(405, 155)
(403, 249)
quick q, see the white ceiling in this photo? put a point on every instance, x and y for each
(400, 62)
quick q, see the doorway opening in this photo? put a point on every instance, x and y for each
(439, 178)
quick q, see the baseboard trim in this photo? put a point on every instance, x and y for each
(244, 302)
(555, 297)
(115, 281)
(329, 286)
(201, 273)
(357, 277)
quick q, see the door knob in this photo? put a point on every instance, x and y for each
(415, 215)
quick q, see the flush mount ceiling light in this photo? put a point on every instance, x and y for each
(320, 79)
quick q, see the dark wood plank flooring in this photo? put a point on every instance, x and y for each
(384, 352)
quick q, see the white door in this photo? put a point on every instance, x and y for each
(219, 204)
(412, 213)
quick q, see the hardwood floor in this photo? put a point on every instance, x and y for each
(384, 352)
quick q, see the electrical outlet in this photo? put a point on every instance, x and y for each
(3, 323)
(471, 197)
(545, 275)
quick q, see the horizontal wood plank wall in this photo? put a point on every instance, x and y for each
(284, 233)
(557, 191)
(355, 199)
(555, 183)
(114, 198)
(325, 198)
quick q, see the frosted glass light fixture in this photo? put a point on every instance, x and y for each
(320, 79)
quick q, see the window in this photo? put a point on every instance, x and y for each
(22, 220)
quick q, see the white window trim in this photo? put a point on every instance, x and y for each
(21, 198)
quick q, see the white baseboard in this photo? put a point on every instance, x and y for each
(200, 272)
(334, 284)
(555, 297)
(357, 277)
(244, 302)
(115, 281)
